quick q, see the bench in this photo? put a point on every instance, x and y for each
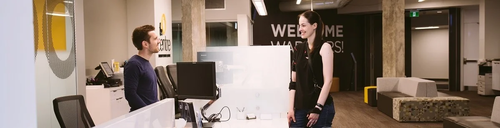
(476, 121)
(411, 99)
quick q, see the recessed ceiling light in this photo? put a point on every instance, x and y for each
(430, 27)
(421, 0)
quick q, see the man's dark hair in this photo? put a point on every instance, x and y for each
(141, 34)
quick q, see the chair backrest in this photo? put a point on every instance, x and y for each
(172, 75)
(161, 86)
(71, 112)
(166, 88)
(495, 113)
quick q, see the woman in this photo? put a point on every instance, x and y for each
(312, 73)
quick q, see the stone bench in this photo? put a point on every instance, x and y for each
(411, 99)
(421, 109)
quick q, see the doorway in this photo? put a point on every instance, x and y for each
(430, 47)
(470, 47)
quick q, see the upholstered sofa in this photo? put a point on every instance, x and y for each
(411, 99)
(476, 121)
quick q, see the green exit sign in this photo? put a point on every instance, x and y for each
(414, 14)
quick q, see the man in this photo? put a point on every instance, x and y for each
(140, 78)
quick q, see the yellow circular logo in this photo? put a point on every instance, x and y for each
(163, 24)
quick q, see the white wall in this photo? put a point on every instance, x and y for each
(489, 28)
(429, 53)
(17, 72)
(470, 14)
(233, 8)
(177, 11)
(163, 7)
(80, 48)
(106, 34)
(245, 28)
(139, 12)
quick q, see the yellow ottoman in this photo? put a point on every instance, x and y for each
(335, 85)
(366, 92)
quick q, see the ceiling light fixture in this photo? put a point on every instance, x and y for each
(298, 1)
(421, 0)
(59, 14)
(260, 6)
(430, 27)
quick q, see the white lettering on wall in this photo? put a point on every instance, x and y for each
(339, 31)
(298, 31)
(329, 30)
(282, 43)
(278, 29)
(291, 29)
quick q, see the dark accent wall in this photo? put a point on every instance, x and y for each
(347, 38)
(408, 25)
(454, 42)
(373, 48)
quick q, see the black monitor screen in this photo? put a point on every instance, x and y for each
(196, 80)
(107, 69)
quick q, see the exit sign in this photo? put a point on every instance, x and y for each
(414, 14)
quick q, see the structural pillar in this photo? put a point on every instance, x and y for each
(193, 29)
(489, 28)
(393, 38)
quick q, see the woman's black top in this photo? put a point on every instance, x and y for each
(304, 99)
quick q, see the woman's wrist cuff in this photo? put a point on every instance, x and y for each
(315, 110)
(320, 108)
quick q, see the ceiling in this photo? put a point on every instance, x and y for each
(290, 5)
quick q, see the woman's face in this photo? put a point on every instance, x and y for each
(306, 29)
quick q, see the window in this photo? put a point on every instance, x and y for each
(218, 34)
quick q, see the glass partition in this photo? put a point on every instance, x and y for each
(217, 34)
(55, 64)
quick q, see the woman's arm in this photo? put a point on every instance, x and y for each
(326, 53)
(291, 93)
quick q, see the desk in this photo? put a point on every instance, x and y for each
(105, 104)
(257, 123)
(157, 115)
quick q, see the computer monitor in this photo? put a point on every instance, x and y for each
(196, 80)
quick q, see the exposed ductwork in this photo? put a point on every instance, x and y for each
(288, 6)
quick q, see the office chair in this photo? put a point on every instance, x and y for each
(172, 75)
(166, 88)
(71, 112)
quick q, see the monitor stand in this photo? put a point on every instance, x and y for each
(212, 117)
(206, 104)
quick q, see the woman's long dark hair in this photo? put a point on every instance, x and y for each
(314, 17)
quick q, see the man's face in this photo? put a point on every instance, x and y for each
(154, 41)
